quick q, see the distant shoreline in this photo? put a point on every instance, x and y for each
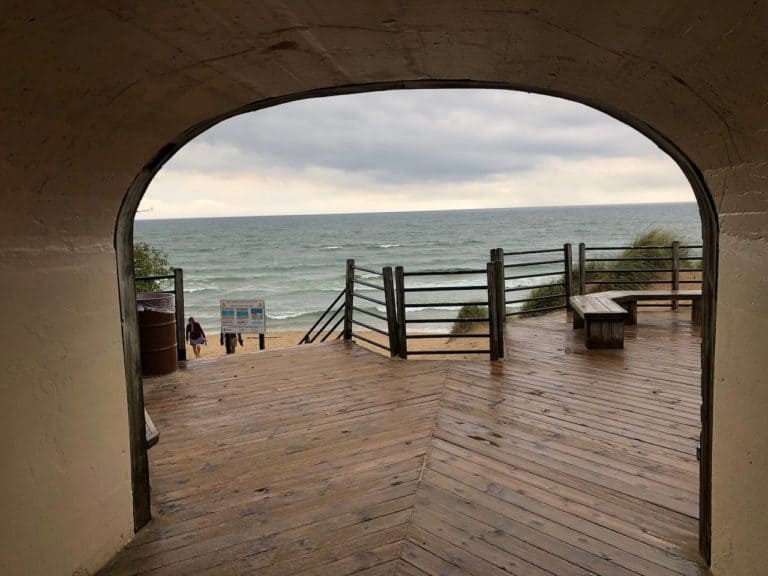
(430, 211)
(288, 339)
(297, 263)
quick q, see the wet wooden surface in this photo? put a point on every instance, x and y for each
(331, 459)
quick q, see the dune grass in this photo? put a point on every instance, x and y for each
(469, 311)
(641, 270)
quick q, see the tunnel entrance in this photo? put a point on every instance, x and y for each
(124, 238)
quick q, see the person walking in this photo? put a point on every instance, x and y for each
(230, 341)
(195, 336)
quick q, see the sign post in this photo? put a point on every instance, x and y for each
(244, 317)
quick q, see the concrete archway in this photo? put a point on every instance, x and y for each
(92, 92)
(124, 248)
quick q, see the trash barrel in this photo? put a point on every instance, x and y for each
(157, 333)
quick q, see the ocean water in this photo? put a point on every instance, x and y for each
(296, 263)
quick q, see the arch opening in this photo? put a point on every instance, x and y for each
(124, 239)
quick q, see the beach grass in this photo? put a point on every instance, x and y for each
(469, 311)
(641, 271)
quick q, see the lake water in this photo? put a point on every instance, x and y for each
(296, 263)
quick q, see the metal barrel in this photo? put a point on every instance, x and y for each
(157, 333)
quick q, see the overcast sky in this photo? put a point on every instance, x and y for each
(413, 150)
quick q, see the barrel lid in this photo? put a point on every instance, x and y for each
(155, 302)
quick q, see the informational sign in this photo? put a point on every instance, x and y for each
(243, 317)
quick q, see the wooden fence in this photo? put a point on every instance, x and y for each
(333, 314)
(386, 297)
(548, 268)
(350, 316)
(641, 267)
(486, 282)
(515, 283)
(339, 319)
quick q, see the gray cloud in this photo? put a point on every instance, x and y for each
(406, 137)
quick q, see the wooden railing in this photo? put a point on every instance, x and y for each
(332, 314)
(642, 267)
(488, 284)
(345, 312)
(178, 295)
(516, 283)
(519, 267)
(385, 288)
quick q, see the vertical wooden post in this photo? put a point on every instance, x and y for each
(261, 342)
(401, 327)
(501, 300)
(493, 306)
(137, 425)
(675, 270)
(582, 268)
(497, 255)
(349, 298)
(568, 263)
(392, 324)
(178, 293)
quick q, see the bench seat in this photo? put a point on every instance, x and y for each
(603, 314)
(602, 319)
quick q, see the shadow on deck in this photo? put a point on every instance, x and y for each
(333, 460)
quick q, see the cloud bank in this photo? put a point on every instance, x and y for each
(413, 150)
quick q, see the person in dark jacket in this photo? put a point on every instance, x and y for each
(230, 340)
(195, 336)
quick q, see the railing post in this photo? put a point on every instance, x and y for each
(567, 259)
(349, 298)
(493, 306)
(401, 327)
(178, 293)
(501, 301)
(497, 255)
(675, 270)
(392, 324)
(582, 268)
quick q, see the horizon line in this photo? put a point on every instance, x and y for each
(426, 210)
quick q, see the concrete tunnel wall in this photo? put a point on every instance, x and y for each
(91, 94)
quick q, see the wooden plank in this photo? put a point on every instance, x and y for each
(153, 436)
(576, 543)
(349, 298)
(140, 488)
(406, 569)
(494, 327)
(389, 298)
(614, 510)
(401, 313)
(516, 556)
(604, 333)
(181, 322)
(568, 273)
(335, 460)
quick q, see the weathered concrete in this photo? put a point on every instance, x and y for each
(90, 94)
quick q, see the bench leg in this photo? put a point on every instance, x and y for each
(578, 321)
(631, 308)
(696, 312)
(607, 333)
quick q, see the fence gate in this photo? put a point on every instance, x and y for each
(481, 280)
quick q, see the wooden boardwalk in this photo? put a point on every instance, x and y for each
(333, 460)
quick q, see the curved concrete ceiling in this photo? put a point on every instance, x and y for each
(99, 90)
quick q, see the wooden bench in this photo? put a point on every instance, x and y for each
(151, 433)
(603, 314)
(602, 319)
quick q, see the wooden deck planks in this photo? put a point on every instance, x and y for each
(330, 459)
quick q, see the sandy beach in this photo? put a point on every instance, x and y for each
(273, 341)
(277, 340)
